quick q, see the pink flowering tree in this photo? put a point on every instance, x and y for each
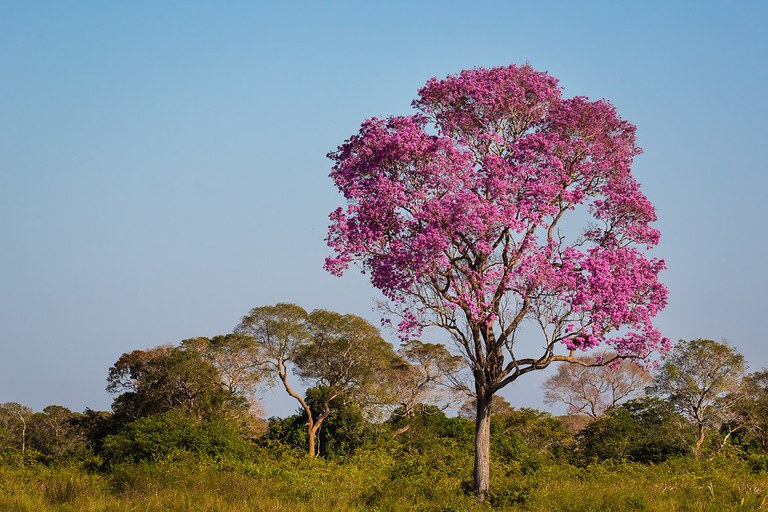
(503, 212)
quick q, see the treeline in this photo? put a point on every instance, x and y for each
(199, 399)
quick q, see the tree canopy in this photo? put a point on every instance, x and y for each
(342, 354)
(166, 378)
(701, 378)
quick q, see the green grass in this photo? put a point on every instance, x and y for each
(381, 482)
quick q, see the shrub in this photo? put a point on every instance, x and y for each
(644, 430)
(168, 435)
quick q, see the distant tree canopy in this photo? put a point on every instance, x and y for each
(50, 432)
(426, 374)
(237, 359)
(165, 378)
(749, 420)
(643, 430)
(185, 405)
(698, 377)
(593, 389)
(343, 354)
(14, 424)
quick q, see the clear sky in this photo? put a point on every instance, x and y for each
(163, 170)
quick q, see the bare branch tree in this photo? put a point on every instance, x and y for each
(593, 389)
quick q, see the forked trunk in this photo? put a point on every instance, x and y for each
(313, 427)
(483, 446)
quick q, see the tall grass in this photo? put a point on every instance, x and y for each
(382, 482)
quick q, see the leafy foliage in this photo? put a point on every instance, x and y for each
(170, 435)
(701, 379)
(53, 432)
(749, 420)
(521, 433)
(643, 430)
(164, 379)
(343, 355)
(341, 434)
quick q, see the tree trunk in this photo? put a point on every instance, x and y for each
(699, 442)
(483, 445)
(313, 426)
(311, 436)
(282, 373)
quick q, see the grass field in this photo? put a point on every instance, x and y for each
(374, 482)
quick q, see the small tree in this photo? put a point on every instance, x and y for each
(241, 373)
(344, 354)
(94, 427)
(343, 431)
(593, 389)
(748, 418)
(696, 377)
(235, 356)
(458, 215)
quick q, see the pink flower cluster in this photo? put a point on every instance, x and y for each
(465, 200)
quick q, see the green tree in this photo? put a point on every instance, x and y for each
(14, 420)
(342, 353)
(427, 374)
(165, 378)
(345, 429)
(749, 422)
(53, 432)
(241, 372)
(517, 433)
(642, 430)
(235, 356)
(696, 377)
(94, 427)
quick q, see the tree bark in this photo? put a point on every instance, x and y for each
(483, 445)
(311, 436)
(312, 426)
(699, 442)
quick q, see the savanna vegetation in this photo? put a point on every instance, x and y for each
(501, 211)
(383, 430)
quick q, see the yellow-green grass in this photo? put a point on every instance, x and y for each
(381, 483)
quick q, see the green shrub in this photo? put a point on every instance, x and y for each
(758, 462)
(644, 430)
(168, 435)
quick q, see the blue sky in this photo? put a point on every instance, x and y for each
(163, 170)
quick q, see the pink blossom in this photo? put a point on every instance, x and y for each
(468, 222)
